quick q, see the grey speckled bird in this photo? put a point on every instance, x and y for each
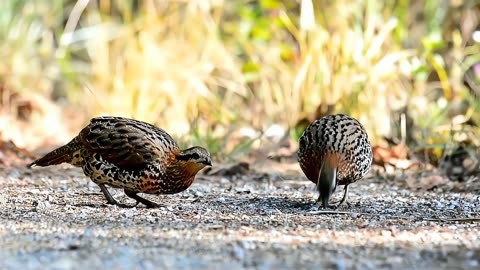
(334, 150)
(130, 154)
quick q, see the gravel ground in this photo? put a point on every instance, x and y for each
(56, 217)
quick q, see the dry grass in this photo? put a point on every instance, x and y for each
(204, 69)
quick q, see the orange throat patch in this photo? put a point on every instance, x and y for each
(192, 168)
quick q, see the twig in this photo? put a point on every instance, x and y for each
(326, 212)
(474, 219)
(461, 219)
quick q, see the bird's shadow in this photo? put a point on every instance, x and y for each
(285, 205)
(264, 204)
(84, 204)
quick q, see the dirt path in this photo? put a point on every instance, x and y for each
(56, 217)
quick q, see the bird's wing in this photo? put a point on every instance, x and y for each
(127, 143)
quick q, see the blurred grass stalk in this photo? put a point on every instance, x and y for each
(203, 69)
(28, 71)
(159, 66)
(351, 62)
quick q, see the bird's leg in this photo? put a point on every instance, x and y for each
(344, 198)
(111, 200)
(133, 195)
(108, 196)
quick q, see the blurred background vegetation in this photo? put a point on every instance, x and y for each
(234, 75)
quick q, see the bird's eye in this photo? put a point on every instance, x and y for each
(195, 156)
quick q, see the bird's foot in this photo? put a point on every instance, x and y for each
(149, 204)
(134, 195)
(320, 206)
(345, 204)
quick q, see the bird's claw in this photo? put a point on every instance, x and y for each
(348, 204)
(319, 206)
(151, 204)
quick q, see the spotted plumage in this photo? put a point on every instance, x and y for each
(130, 154)
(334, 150)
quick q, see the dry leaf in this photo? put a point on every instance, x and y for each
(395, 155)
(426, 182)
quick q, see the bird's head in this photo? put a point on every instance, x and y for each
(194, 158)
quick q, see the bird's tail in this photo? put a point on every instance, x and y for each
(58, 156)
(327, 177)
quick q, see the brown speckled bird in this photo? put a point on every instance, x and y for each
(130, 154)
(334, 150)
